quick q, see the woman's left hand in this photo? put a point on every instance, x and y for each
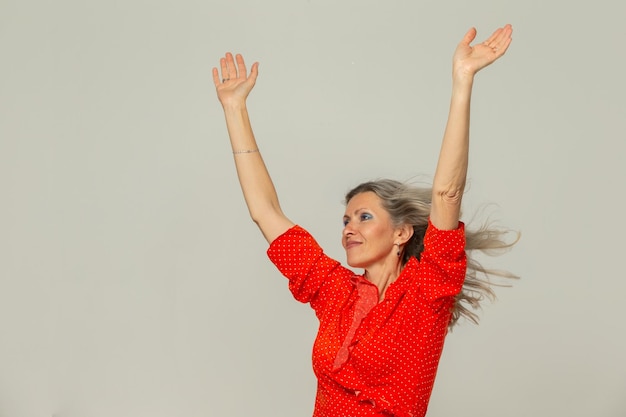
(468, 60)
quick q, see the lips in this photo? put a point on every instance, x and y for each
(350, 244)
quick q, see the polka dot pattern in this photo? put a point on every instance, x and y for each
(375, 358)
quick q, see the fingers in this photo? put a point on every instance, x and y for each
(500, 39)
(503, 46)
(227, 68)
(241, 66)
(233, 68)
(254, 72)
(469, 36)
(229, 71)
(503, 39)
(490, 41)
(502, 34)
(216, 77)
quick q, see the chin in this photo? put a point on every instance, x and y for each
(354, 263)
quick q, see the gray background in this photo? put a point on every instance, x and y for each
(132, 281)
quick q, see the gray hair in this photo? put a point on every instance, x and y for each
(408, 204)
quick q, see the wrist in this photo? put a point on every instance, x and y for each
(462, 78)
(234, 106)
(462, 84)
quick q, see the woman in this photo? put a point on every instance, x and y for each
(381, 333)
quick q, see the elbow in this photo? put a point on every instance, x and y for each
(261, 214)
(449, 188)
(449, 195)
(256, 216)
(446, 207)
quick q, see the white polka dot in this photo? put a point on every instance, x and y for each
(370, 358)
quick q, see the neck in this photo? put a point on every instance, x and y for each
(383, 275)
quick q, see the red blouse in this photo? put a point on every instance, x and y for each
(375, 358)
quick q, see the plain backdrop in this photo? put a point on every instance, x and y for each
(133, 282)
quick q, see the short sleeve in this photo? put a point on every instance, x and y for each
(312, 274)
(443, 262)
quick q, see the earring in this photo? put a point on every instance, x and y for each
(398, 245)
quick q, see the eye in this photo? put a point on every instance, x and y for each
(345, 222)
(365, 216)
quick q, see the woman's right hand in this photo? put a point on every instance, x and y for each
(235, 84)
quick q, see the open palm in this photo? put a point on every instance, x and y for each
(235, 84)
(468, 59)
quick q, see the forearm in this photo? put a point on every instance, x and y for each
(256, 183)
(451, 172)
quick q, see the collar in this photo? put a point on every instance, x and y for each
(395, 290)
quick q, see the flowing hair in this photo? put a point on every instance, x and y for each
(408, 204)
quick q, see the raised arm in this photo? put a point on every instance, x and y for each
(449, 180)
(258, 190)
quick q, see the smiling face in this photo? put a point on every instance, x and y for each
(369, 235)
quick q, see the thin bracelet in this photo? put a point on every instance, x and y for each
(246, 151)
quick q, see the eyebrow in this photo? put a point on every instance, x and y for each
(357, 211)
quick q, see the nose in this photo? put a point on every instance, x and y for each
(348, 230)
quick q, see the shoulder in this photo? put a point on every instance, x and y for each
(438, 240)
(293, 238)
(297, 249)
